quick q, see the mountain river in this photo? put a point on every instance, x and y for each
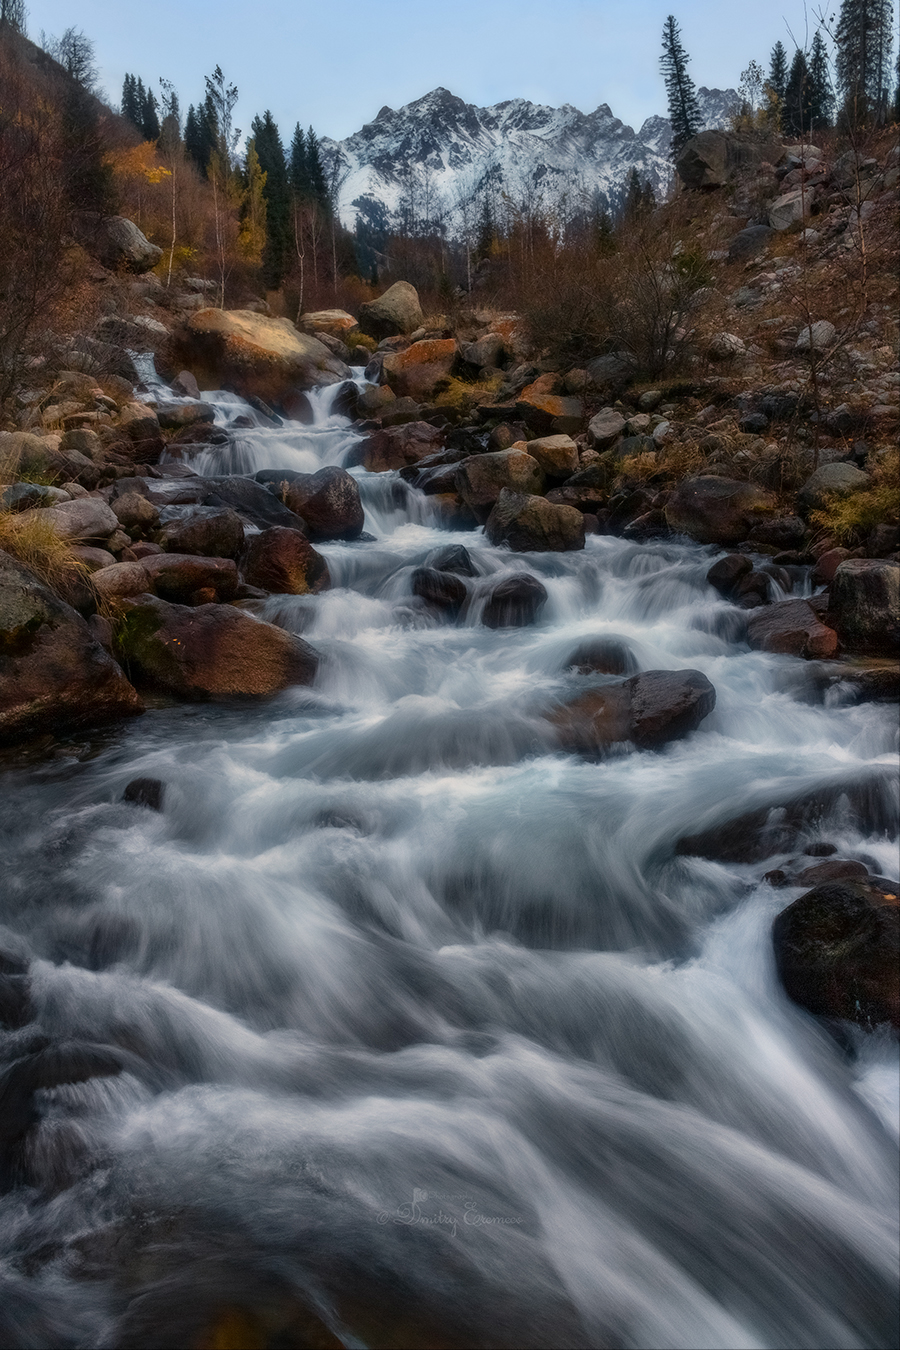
(430, 1036)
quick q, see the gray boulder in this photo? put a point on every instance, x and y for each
(717, 510)
(393, 314)
(714, 158)
(116, 242)
(531, 524)
(209, 531)
(838, 479)
(865, 604)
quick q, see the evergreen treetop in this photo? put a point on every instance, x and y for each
(684, 110)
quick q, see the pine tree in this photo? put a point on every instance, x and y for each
(797, 103)
(192, 143)
(130, 107)
(315, 169)
(778, 70)
(150, 117)
(684, 110)
(821, 99)
(276, 191)
(634, 195)
(864, 37)
(298, 169)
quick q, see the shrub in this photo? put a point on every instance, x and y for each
(850, 518)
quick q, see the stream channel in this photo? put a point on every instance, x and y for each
(429, 1029)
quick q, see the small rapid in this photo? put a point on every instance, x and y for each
(430, 1029)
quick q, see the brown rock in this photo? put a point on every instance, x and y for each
(865, 604)
(792, 628)
(213, 651)
(527, 523)
(397, 447)
(557, 455)
(176, 576)
(481, 478)
(396, 312)
(602, 656)
(208, 531)
(422, 369)
(648, 710)
(255, 355)
(717, 510)
(547, 413)
(328, 502)
(284, 562)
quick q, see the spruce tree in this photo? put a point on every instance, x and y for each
(150, 117)
(298, 169)
(276, 192)
(130, 108)
(778, 71)
(192, 135)
(864, 37)
(797, 103)
(316, 171)
(821, 99)
(684, 110)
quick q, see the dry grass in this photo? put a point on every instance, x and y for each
(461, 397)
(35, 543)
(849, 519)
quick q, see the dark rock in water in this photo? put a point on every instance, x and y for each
(149, 792)
(835, 869)
(54, 675)
(602, 656)
(328, 502)
(865, 602)
(284, 562)
(452, 558)
(253, 502)
(440, 589)
(649, 710)
(208, 531)
(15, 1001)
(717, 510)
(837, 950)
(527, 523)
(725, 574)
(820, 849)
(212, 651)
(869, 803)
(515, 602)
(791, 628)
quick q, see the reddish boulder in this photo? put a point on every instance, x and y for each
(284, 562)
(648, 710)
(178, 576)
(547, 413)
(530, 524)
(396, 447)
(328, 502)
(422, 369)
(791, 628)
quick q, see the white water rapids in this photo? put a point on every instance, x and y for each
(427, 1017)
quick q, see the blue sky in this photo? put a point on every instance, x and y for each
(334, 66)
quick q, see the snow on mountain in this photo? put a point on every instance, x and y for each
(440, 149)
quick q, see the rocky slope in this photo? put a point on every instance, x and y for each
(523, 146)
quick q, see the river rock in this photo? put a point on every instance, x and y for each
(792, 628)
(253, 354)
(422, 369)
(135, 513)
(212, 651)
(453, 558)
(149, 792)
(80, 520)
(174, 416)
(838, 479)
(557, 455)
(649, 710)
(547, 413)
(481, 478)
(122, 579)
(328, 502)
(252, 501)
(209, 531)
(726, 574)
(397, 447)
(717, 510)
(515, 602)
(54, 676)
(837, 951)
(182, 576)
(606, 655)
(337, 323)
(442, 590)
(865, 604)
(396, 312)
(284, 562)
(28, 496)
(527, 523)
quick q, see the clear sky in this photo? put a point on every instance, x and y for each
(334, 66)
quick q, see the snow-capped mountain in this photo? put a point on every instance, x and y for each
(441, 150)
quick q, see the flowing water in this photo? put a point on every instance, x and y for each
(427, 1027)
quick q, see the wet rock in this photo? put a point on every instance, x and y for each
(396, 312)
(285, 563)
(865, 604)
(135, 513)
(515, 602)
(481, 478)
(442, 590)
(837, 950)
(185, 384)
(649, 710)
(453, 558)
(207, 531)
(717, 510)
(328, 502)
(725, 574)
(149, 792)
(178, 576)
(254, 503)
(527, 523)
(422, 369)
(836, 869)
(253, 354)
(212, 651)
(602, 656)
(791, 628)
(54, 675)
(397, 447)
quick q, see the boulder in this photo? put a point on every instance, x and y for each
(119, 580)
(186, 385)
(487, 351)
(116, 242)
(837, 950)
(614, 369)
(648, 710)
(141, 425)
(717, 510)
(714, 158)
(209, 531)
(396, 312)
(24, 496)
(442, 590)
(397, 447)
(830, 480)
(422, 369)
(789, 209)
(724, 347)
(82, 519)
(174, 416)
(725, 574)
(749, 243)
(514, 602)
(182, 576)
(865, 605)
(135, 513)
(149, 792)
(328, 502)
(602, 656)
(284, 562)
(557, 455)
(253, 502)
(481, 478)
(452, 558)
(605, 428)
(212, 651)
(335, 322)
(817, 337)
(547, 413)
(253, 354)
(54, 675)
(530, 524)
(792, 628)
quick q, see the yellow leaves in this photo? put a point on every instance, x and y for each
(138, 162)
